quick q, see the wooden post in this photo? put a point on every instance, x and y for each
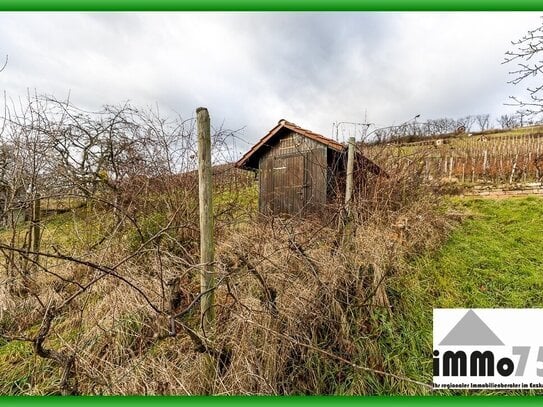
(206, 218)
(350, 170)
(346, 219)
(36, 220)
(513, 170)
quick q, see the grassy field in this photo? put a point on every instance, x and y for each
(493, 259)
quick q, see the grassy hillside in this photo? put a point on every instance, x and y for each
(299, 315)
(493, 259)
(509, 157)
(452, 138)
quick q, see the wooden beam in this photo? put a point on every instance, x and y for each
(207, 249)
(350, 170)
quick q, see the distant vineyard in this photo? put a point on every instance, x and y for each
(506, 158)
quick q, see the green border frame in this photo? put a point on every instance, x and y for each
(264, 401)
(271, 5)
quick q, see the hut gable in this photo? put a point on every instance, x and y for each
(284, 128)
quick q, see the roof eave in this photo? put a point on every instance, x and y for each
(333, 145)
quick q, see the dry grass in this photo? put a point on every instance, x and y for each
(298, 305)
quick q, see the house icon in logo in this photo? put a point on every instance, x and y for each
(471, 331)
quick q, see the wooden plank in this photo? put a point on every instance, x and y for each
(350, 168)
(266, 184)
(316, 178)
(293, 175)
(207, 247)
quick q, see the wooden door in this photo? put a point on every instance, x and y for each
(289, 183)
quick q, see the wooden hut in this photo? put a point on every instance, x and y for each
(298, 170)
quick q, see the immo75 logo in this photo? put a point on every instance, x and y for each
(488, 348)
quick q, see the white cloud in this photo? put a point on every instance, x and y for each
(252, 69)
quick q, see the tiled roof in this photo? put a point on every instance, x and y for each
(334, 145)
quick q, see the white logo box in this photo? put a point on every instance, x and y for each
(488, 348)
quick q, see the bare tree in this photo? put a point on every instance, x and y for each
(4, 64)
(133, 170)
(508, 121)
(483, 120)
(529, 64)
(465, 122)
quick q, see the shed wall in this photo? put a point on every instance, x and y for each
(293, 175)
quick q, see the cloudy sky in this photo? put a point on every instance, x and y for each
(252, 69)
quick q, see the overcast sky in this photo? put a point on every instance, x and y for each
(252, 69)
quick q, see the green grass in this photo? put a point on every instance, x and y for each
(24, 373)
(493, 259)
